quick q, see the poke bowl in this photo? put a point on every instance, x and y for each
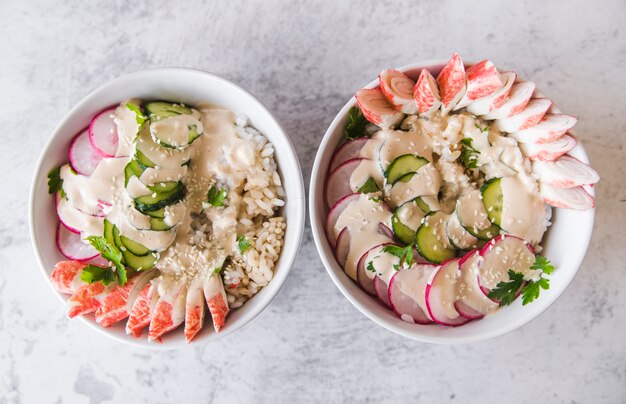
(167, 208)
(450, 202)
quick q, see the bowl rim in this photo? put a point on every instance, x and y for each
(297, 222)
(334, 271)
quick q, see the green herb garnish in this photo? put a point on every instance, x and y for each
(139, 116)
(243, 244)
(404, 253)
(369, 187)
(216, 196)
(370, 266)
(355, 126)
(92, 273)
(505, 292)
(469, 155)
(485, 129)
(219, 269)
(55, 182)
(376, 199)
(112, 254)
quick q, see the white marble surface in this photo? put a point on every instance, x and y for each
(304, 60)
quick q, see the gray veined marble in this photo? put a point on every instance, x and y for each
(304, 60)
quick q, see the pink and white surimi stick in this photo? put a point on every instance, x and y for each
(529, 117)
(426, 93)
(519, 96)
(565, 172)
(495, 100)
(548, 151)
(398, 88)
(451, 82)
(549, 129)
(377, 109)
(482, 81)
(569, 198)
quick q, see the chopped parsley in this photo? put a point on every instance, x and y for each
(55, 182)
(112, 254)
(404, 253)
(139, 116)
(216, 196)
(506, 292)
(219, 269)
(376, 199)
(355, 126)
(485, 129)
(370, 266)
(369, 186)
(469, 155)
(243, 244)
(92, 273)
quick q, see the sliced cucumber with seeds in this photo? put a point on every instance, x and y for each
(158, 214)
(158, 110)
(132, 169)
(134, 247)
(405, 221)
(144, 162)
(458, 236)
(404, 166)
(431, 239)
(164, 187)
(140, 263)
(473, 216)
(427, 204)
(108, 232)
(492, 200)
(157, 224)
(156, 201)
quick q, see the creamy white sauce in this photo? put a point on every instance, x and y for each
(174, 130)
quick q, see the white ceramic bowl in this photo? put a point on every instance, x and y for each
(564, 244)
(192, 87)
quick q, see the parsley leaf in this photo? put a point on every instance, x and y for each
(112, 254)
(243, 244)
(376, 199)
(370, 266)
(55, 183)
(216, 196)
(369, 186)
(505, 292)
(139, 116)
(219, 269)
(543, 264)
(469, 155)
(396, 267)
(531, 291)
(485, 129)
(355, 126)
(92, 273)
(404, 253)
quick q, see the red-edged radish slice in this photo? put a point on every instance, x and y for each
(494, 101)
(338, 182)
(568, 198)
(472, 303)
(347, 151)
(382, 291)
(550, 128)
(377, 109)
(72, 247)
(451, 82)
(529, 117)
(384, 229)
(426, 93)
(548, 151)
(565, 172)
(398, 89)
(407, 293)
(441, 294)
(342, 247)
(364, 280)
(519, 96)
(103, 133)
(483, 80)
(334, 213)
(83, 157)
(65, 276)
(501, 254)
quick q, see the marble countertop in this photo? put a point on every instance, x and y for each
(304, 60)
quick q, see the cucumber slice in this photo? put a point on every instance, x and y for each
(485, 234)
(157, 224)
(132, 169)
(403, 232)
(108, 232)
(431, 239)
(134, 247)
(404, 166)
(164, 187)
(139, 263)
(158, 214)
(406, 220)
(492, 200)
(473, 216)
(144, 162)
(458, 236)
(427, 204)
(158, 110)
(156, 201)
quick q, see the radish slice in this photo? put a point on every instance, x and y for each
(347, 151)
(548, 151)
(549, 129)
(377, 109)
(485, 105)
(472, 303)
(334, 213)
(426, 93)
(72, 247)
(367, 283)
(398, 89)
(83, 157)
(568, 198)
(451, 82)
(342, 247)
(382, 291)
(482, 81)
(565, 172)
(103, 133)
(441, 294)
(501, 254)
(529, 117)
(338, 182)
(407, 293)
(518, 99)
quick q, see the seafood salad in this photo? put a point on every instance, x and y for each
(166, 210)
(440, 196)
